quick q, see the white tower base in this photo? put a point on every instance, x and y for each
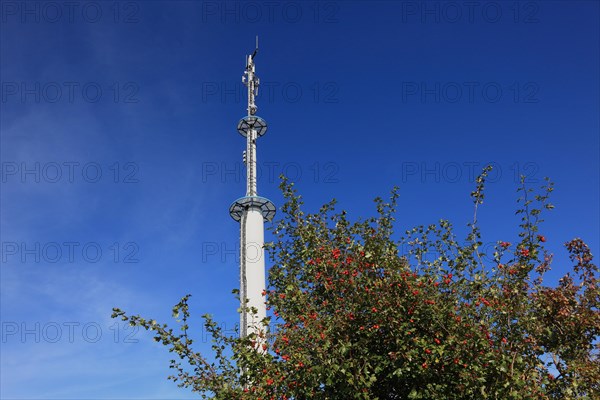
(252, 271)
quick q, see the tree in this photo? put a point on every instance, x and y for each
(355, 319)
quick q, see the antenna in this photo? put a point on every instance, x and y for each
(255, 50)
(251, 81)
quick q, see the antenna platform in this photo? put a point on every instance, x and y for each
(252, 122)
(266, 206)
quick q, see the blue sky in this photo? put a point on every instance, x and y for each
(120, 155)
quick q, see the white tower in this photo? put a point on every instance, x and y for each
(251, 211)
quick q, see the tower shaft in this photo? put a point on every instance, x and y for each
(251, 163)
(252, 271)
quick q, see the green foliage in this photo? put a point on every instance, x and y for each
(355, 319)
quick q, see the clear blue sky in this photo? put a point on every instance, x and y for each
(120, 155)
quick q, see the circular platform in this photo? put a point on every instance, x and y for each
(252, 122)
(266, 206)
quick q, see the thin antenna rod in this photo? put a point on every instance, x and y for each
(256, 49)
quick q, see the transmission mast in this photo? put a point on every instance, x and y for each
(251, 211)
